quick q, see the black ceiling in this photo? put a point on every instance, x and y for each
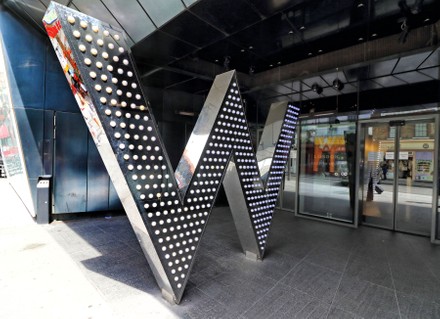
(257, 35)
(183, 44)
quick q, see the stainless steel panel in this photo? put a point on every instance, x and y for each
(114, 203)
(102, 126)
(202, 132)
(252, 183)
(98, 181)
(70, 167)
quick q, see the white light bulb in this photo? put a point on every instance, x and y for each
(71, 19)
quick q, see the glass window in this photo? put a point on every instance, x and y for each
(421, 130)
(327, 158)
(392, 132)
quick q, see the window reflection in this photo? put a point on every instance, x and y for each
(326, 170)
(289, 181)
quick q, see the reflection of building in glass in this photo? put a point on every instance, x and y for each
(326, 187)
(13, 161)
(325, 149)
(8, 142)
(416, 155)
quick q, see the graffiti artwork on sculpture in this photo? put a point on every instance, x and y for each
(169, 211)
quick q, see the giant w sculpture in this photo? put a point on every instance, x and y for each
(169, 212)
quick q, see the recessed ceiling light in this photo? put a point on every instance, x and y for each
(291, 32)
(310, 53)
(271, 65)
(186, 113)
(216, 60)
(279, 62)
(242, 50)
(374, 35)
(360, 5)
(361, 39)
(251, 47)
(302, 27)
(427, 20)
(319, 51)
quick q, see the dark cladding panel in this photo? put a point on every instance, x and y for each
(201, 33)
(70, 186)
(132, 18)
(228, 16)
(160, 48)
(162, 11)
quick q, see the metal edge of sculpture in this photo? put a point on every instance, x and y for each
(169, 211)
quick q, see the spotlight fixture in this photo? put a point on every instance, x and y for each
(316, 88)
(186, 113)
(338, 85)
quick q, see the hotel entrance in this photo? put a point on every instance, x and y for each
(397, 174)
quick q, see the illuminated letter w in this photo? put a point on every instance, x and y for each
(169, 212)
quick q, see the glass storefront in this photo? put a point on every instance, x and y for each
(326, 169)
(398, 171)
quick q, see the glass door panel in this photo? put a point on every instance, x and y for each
(415, 171)
(326, 182)
(288, 198)
(378, 175)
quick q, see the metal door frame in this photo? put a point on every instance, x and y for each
(360, 158)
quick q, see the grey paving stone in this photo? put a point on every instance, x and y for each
(300, 277)
(416, 281)
(333, 259)
(337, 313)
(317, 281)
(372, 249)
(237, 290)
(286, 302)
(366, 299)
(370, 269)
(417, 308)
(298, 248)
